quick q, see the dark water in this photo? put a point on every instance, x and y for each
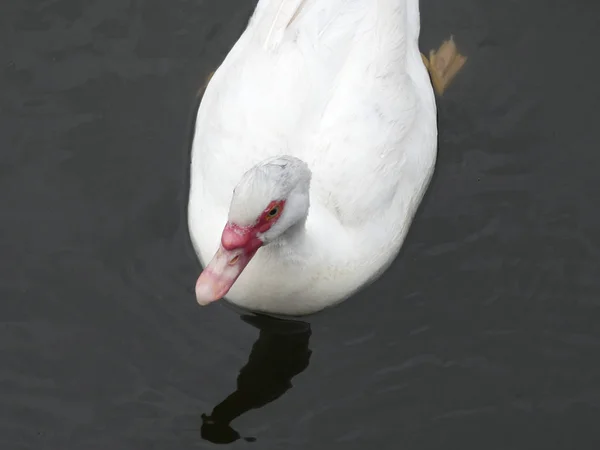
(484, 334)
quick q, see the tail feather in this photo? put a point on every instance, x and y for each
(276, 16)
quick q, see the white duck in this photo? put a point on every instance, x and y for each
(315, 142)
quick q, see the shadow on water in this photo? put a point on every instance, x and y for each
(280, 353)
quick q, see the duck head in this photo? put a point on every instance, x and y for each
(270, 199)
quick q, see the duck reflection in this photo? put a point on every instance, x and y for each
(280, 353)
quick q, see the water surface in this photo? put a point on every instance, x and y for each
(483, 334)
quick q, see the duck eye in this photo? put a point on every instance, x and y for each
(274, 211)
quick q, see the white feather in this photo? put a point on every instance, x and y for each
(339, 84)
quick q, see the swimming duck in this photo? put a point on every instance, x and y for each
(314, 144)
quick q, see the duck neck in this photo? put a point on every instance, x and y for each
(294, 239)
